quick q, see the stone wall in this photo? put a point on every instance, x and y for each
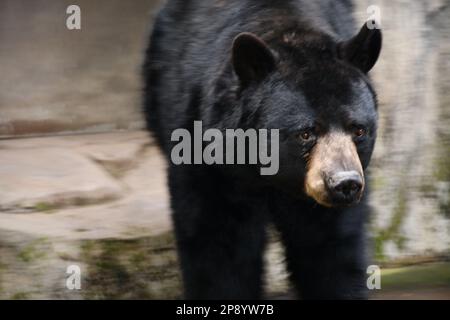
(56, 80)
(410, 168)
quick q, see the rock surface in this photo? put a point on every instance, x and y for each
(98, 202)
(35, 179)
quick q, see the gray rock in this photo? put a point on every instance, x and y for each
(41, 179)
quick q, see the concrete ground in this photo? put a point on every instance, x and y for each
(100, 202)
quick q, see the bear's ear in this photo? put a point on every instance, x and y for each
(363, 50)
(251, 57)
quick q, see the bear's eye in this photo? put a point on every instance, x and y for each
(359, 132)
(307, 135)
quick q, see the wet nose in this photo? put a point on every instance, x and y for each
(345, 187)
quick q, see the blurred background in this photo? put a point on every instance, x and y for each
(82, 184)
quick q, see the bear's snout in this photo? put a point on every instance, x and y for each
(345, 187)
(335, 176)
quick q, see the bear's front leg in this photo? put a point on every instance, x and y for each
(325, 251)
(220, 237)
(331, 271)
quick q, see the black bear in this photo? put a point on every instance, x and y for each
(300, 67)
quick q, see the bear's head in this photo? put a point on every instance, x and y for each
(315, 90)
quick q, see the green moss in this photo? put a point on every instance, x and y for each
(379, 248)
(442, 167)
(392, 232)
(33, 251)
(44, 207)
(20, 296)
(428, 189)
(65, 256)
(378, 182)
(87, 247)
(139, 259)
(47, 207)
(131, 269)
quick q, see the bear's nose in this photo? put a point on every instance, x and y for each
(345, 187)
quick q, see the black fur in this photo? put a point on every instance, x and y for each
(317, 76)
